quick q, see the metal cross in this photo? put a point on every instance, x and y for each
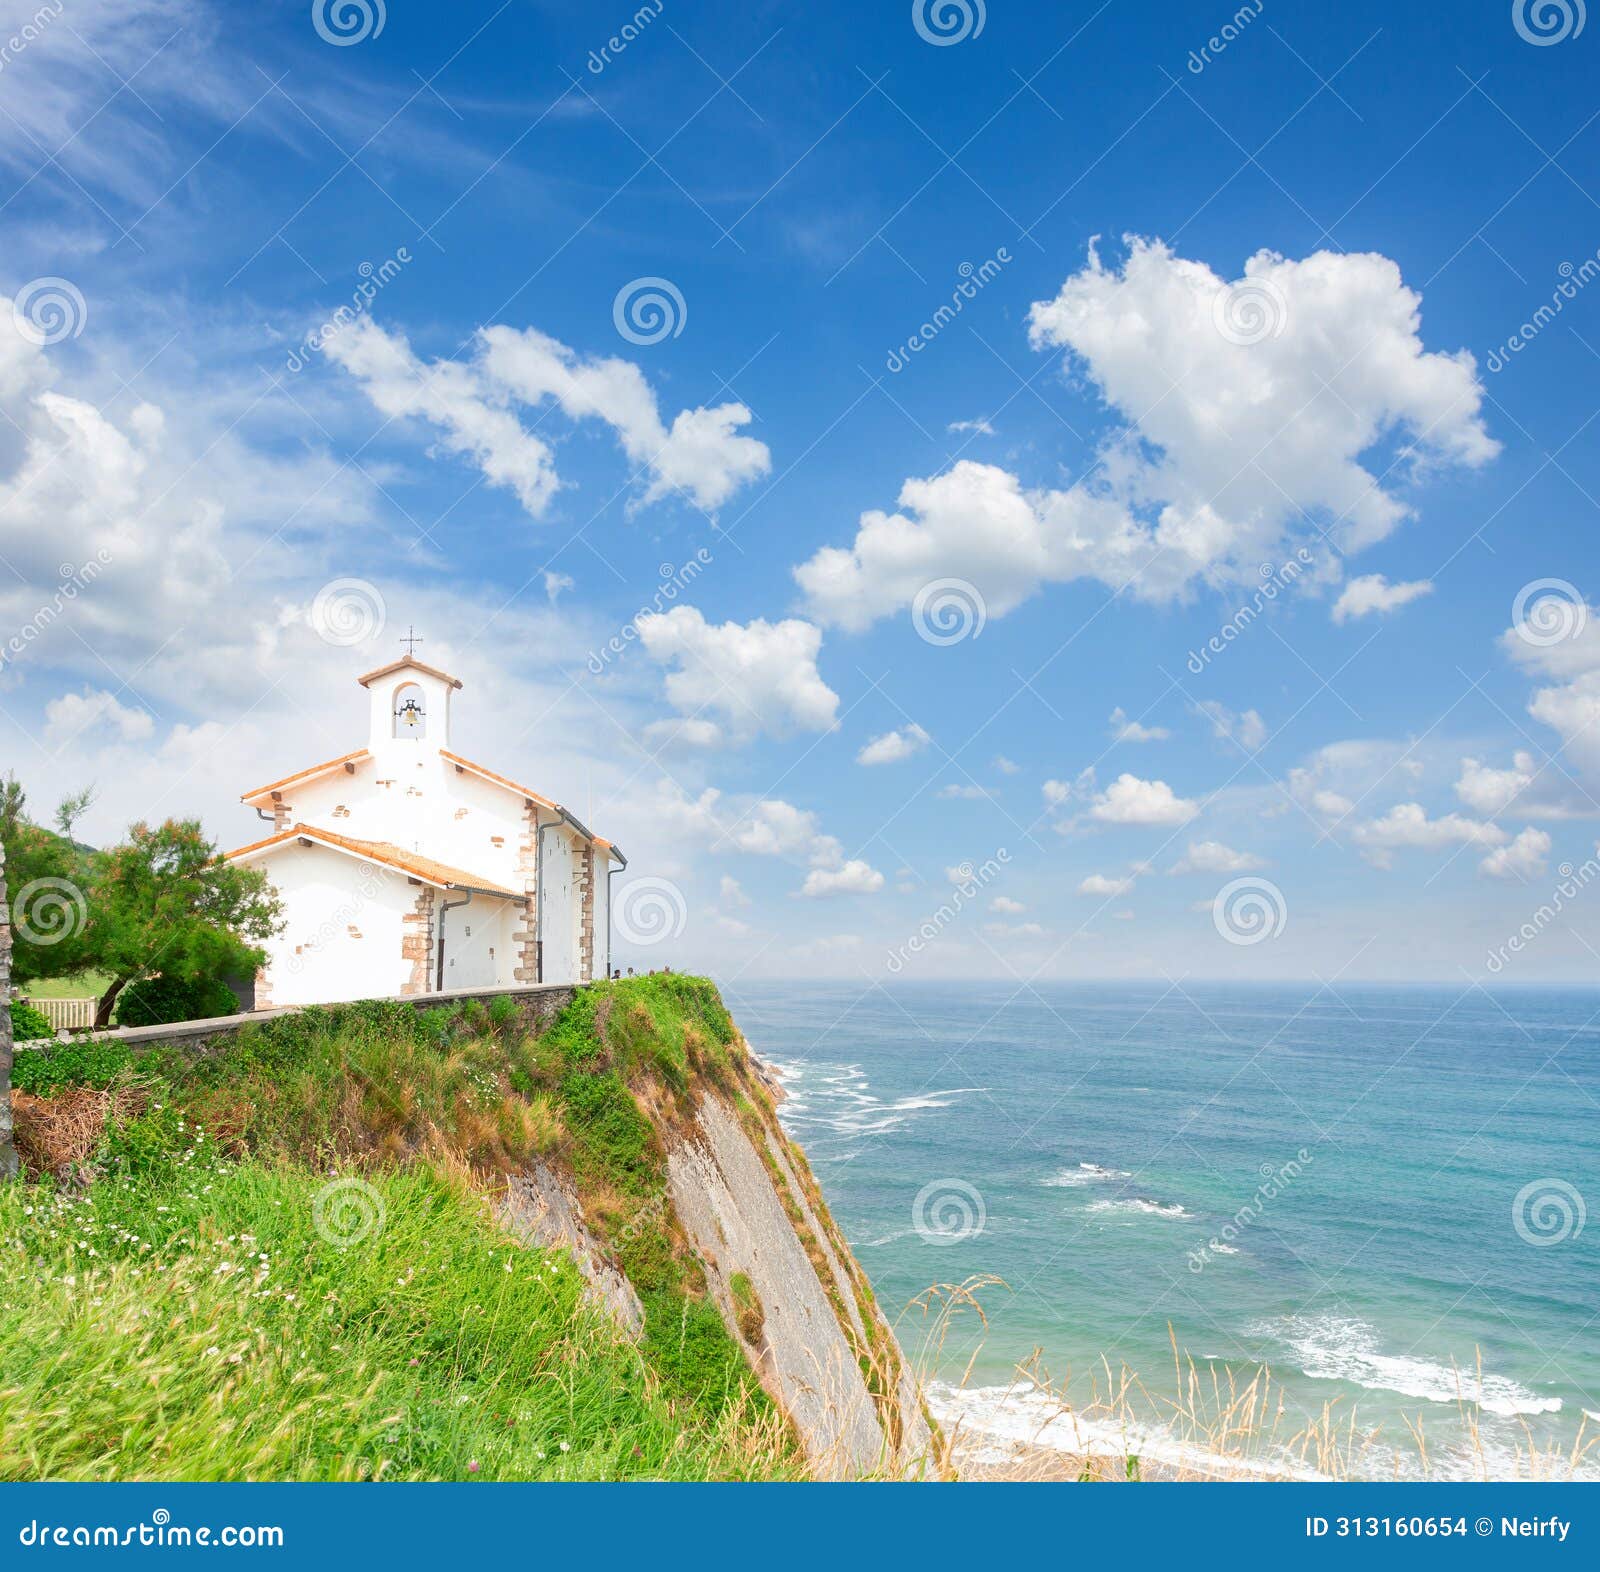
(410, 640)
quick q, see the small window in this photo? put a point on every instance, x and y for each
(410, 719)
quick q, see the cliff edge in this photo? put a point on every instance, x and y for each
(387, 1240)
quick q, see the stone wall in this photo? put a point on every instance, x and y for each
(585, 883)
(527, 936)
(536, 1006)
(416, 943)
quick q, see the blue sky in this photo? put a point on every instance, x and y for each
(318, 335)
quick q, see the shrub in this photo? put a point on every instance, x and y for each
(159, 1000)
(28, 1023)
(747, 1307)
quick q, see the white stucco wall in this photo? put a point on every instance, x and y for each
(560, 925)
(342, 928)
(479, 951)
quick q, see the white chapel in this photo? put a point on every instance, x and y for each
(406, 869)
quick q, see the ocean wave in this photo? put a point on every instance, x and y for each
(1084, 1173)
(1336, 1348)
(1138, 1205)
(1021, 1415)
(836, 1099)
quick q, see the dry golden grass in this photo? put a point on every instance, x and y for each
(60, 1135)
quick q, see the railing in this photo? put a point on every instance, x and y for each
(71, 1015)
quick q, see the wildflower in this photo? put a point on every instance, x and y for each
(212, 1350)
(472, 1467)
(566, 1446)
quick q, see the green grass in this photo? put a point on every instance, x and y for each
(433, 1347)
(196, 1326)
(85, 985)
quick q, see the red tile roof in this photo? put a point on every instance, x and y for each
(414, 864)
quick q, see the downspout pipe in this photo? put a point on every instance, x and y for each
(446, 906)
(538, 898)
(611, 869)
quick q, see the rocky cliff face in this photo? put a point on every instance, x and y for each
(789, 1288)
(740, 1200)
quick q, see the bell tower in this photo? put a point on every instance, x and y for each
(410, 703)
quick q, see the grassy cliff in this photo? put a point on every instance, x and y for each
(288, 1259)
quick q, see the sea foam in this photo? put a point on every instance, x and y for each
(1338, 1348)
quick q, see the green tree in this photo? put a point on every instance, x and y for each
(48, 877)
(165, 902)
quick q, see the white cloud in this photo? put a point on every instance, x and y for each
(1406, 824)
(1522, 858)
(763, 827)
(731, 892)
(1104, 884)
(1014, 930)
(450, 397)
(1572, 706)
(954, 793)
(73, 714)
(684, 732)
(854, 877)
(893, 746)
(1214, 857)
(980, 426)
(755, 677)
(701, 454)
(1372, 592)
(1535, 791)
(1129, 800)
(1056, 792)
(1338, 776)
(1247, 729)
(1004, 765)
(1125, 730)
(555, 583)
(1207, 478)
(1007, 907)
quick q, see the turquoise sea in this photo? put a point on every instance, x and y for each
(1377, 1191)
